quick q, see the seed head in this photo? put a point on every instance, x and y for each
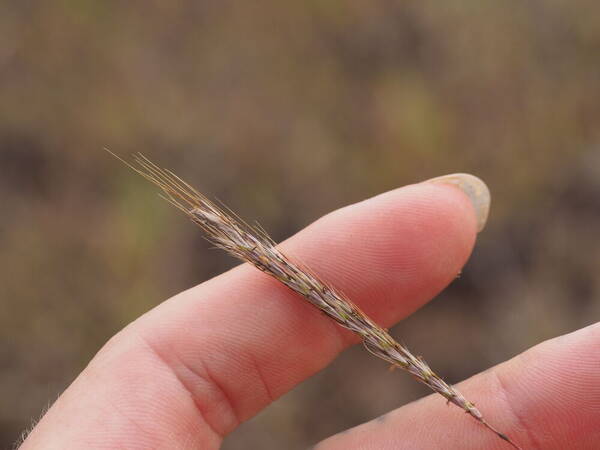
(252, 244)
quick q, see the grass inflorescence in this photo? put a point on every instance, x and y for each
(252, 244)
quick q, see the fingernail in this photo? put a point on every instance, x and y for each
(476, 190)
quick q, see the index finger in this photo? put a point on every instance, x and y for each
(213, 356)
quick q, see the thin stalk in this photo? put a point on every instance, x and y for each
(227, 231)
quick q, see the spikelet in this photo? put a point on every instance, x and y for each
(227, 231)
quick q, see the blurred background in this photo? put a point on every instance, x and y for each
(285, 111)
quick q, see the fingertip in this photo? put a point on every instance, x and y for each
(476, 191)
(412, 240)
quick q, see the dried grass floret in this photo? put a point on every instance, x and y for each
(252, 244)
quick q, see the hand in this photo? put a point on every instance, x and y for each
(188, 372)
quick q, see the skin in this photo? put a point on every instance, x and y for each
(188, 372)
